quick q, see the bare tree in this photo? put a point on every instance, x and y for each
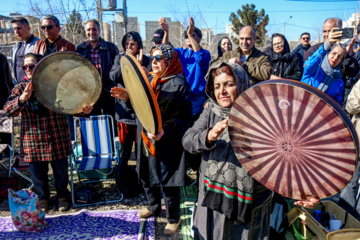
(71, 12)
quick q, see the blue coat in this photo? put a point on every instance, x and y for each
(314, 75)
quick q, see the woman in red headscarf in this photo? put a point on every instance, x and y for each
(161, 166)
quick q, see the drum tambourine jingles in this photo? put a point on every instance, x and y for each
(65, 82)
(293, 139)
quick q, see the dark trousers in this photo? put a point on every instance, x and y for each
(172, 201)
(39, 175)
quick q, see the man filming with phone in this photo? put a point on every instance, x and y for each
(332, 29)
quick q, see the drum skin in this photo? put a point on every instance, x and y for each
(293, 139)
(141, 94)
(65, 82)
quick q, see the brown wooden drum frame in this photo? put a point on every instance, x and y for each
(293, 139)
(156, 126)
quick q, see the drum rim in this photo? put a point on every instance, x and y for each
(150, 95)
(88, 63)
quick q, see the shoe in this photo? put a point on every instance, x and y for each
(171, 228)
(144, 213)
(63, 204)
(44, 205)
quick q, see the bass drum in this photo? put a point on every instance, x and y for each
(293, 139)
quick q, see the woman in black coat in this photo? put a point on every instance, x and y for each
(283, 63)
(161, 165)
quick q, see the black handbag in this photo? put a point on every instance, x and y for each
(86, 195)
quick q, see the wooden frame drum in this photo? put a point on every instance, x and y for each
(65, 82)
(141, 94)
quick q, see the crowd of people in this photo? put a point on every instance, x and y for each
(195, 92)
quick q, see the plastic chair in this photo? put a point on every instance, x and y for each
(15, 163)
(97, 152)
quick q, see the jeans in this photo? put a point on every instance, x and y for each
(39, 175)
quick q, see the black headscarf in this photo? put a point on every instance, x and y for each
(279, 61)
(220, 52)
(136, 37)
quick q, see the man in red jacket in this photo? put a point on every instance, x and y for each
(53, 42)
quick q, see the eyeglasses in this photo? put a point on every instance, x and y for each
(48, 27)
(26, 67)
(278, 44)
(186, 36)
(157, 58)
(305, 38)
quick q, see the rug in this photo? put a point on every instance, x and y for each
(189, 196)
(84, 225)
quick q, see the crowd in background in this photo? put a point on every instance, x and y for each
(195, 92)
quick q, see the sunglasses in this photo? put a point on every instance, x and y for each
(305, 38)
(157, 58)
(186, 36)
(48, 27)
(26, 67)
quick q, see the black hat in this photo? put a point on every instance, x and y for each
(158, 35)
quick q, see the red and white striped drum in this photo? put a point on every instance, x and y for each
(293, 139)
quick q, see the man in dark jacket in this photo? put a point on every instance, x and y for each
(102, 54)
(23, 46)
(329, 24)
(303, 47)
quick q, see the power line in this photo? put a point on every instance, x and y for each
(305, 10)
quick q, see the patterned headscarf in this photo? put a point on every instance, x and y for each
(173, 68)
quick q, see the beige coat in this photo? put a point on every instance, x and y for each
(353, 106)
(257, 64)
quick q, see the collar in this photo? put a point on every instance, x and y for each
(103, 45)
(53, 43)
(30, 39)
(88, 44)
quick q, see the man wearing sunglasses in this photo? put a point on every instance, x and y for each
(52, 42)
(23, 46)
(303, 47)
(195, 61)
(102, 54)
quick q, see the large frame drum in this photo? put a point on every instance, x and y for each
(65, 82)
(293, 139)
(141, 94)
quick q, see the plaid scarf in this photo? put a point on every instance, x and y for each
(173, 69)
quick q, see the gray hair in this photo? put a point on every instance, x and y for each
(337, 21)
(338, 45)
(253, 29)
(51, 17)
(93, 21)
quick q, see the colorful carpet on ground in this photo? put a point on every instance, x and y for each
(188, 198)
(83, 225)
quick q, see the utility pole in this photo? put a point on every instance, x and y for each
(125, 16)
(99, 14)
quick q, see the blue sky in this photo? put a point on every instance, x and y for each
(305, 15)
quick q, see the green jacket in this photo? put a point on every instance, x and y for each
(257, 64)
